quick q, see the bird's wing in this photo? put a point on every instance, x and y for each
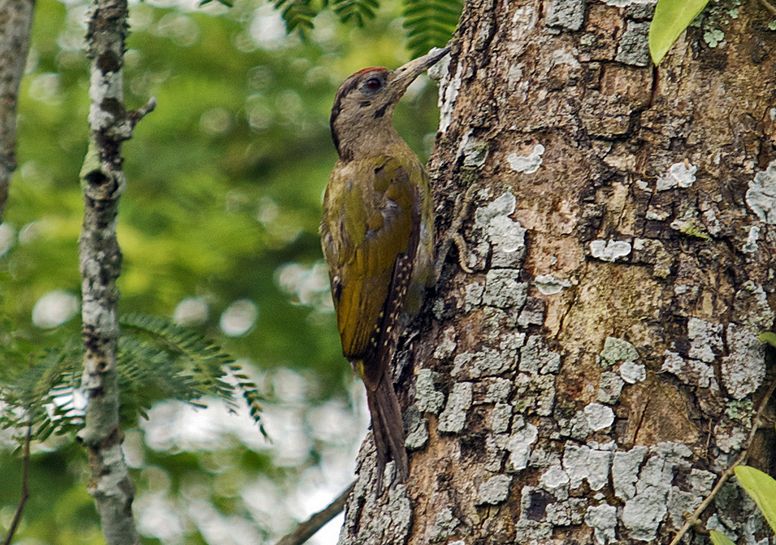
(369, 237)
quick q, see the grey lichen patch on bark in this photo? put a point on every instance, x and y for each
(647, 508)
(417, 434)
(449, 85)
(528, 163)
(599, 417)
(610, 250)
(585, 464)
(494, 491)
(536, 357)
(681, 502)
(705, 339)
(625, 471)
(445, 526)
(705, 345)
(548, 284)
(609, 387)
(750, 246)
(617, 350)
(473, 151)
(632, 372)
(519, 446)
(761, 195)
(453, 418)
(566, 14)
(503, 289)
(556, 481)
(566, 513)
(602, 518)
(633, 48)
(681, 175)
(427, 398)
(489, 361)
(743, 370)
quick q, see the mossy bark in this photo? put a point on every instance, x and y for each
(600, 368)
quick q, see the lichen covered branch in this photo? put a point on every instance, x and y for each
(15, 24)
(102, 181)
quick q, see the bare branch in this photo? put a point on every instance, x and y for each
(15, 25)
(25, 493)
(308, 528)
(100, 263)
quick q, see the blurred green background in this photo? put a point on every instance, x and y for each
(218, 227)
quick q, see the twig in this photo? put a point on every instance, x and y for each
(136, 116)
(694, 519)
(770, 7)
(308, 528)
(25, 494)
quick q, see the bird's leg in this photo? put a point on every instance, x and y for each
(453, 235)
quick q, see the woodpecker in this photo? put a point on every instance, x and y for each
(377, 237)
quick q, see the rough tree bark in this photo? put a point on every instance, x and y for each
(103, 181)
(15, 25)
(600, 369)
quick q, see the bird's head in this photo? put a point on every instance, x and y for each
(364, 103)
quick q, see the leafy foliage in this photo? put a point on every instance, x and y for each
(297, 14)
(767, 337)
(355, 11)
(718, 538)
(761, 487)
(430, 23)
(157, 359)
(672, 17)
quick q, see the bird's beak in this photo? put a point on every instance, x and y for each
(406, 74)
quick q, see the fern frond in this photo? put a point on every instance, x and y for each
(156, 360)
(430, 23)
(297, 14)
(206, 368)
(355, 11)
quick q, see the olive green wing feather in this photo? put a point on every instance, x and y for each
(370, 252)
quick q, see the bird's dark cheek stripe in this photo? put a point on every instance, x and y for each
(381, 111)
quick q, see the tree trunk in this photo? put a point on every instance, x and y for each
(599, 370)
(15, 26)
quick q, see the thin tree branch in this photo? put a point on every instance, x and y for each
(308, 528)
(103, 181)
(694, 519)
(15, 25)
(770, 7)
(25, 493)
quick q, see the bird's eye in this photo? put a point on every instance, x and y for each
(373, 84)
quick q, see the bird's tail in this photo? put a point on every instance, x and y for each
(387, 429)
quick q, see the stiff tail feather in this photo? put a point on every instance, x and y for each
(387, 429)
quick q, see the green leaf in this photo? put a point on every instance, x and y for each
(430, 23)
(761, 487)
(767, 337)
(718, 538)
(671, 18)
